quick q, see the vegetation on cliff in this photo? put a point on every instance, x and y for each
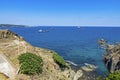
(113, 76)
(60, 61)
(30, 63)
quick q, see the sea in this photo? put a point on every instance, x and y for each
(78, 45)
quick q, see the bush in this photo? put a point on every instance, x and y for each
(113, 76)
(60, 61)
(30, 64)
(99, 78)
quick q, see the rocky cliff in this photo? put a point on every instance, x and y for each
(111, 56)
(12, 45)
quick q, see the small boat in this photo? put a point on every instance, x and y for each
(41, 31)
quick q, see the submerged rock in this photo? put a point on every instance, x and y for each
(87, 72)
(88, 67)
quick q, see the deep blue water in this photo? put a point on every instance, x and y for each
(77, 45)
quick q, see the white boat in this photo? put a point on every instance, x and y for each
(41, 31)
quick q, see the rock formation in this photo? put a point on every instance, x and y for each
(111, 56)
(7, 34)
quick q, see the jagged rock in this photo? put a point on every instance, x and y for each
(112, 57)
(6, 34)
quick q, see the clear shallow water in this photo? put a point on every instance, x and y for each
(77, 45)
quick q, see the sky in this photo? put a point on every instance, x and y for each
(60, 12)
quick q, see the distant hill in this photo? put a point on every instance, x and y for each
(12, 25)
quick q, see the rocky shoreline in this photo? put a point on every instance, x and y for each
(86, 72)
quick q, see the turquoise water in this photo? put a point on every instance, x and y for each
(75, 44)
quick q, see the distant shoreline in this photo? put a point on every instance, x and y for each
(12, 25)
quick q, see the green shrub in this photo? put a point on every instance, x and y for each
(60, 61)
(30, 64)
(113, 76)
(99, 78)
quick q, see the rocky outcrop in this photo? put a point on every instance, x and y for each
(111, 56)
(7, 34)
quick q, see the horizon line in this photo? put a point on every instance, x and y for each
(64, 25)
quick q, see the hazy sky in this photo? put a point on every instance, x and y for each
(61, 12)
